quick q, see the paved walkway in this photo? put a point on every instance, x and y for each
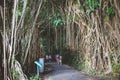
(64, 72)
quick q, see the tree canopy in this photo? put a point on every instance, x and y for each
(85, 32)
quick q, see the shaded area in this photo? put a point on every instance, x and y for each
(64, 72)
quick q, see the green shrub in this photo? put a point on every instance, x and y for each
(15, 74)
(116, 69)
(80, 65)
(36, 77)
(92, 4)
(110, 11)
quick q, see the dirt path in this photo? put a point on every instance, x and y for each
(64, 72)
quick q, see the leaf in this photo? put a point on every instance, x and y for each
(56, 22)
(92, 4)
(110, 11)
(88, 11)
(19, 13)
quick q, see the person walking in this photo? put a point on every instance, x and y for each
(57, 58)
(47, 58)
(60, 60)
(50, 58)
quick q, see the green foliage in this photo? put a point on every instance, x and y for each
(36, 77)
(110, 11)
(88, 11)
(57, 20)
(15, 74)
(116, 69)
(92, 4)
(19, 13)
(91, 71)
(80, 65)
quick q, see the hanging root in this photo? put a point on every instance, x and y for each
(18, 69)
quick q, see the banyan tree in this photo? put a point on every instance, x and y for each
(89, 30)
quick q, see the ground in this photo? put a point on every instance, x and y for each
(64, 72)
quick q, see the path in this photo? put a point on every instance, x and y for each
(64, 72)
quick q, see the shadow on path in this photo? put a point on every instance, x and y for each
(64, 72)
